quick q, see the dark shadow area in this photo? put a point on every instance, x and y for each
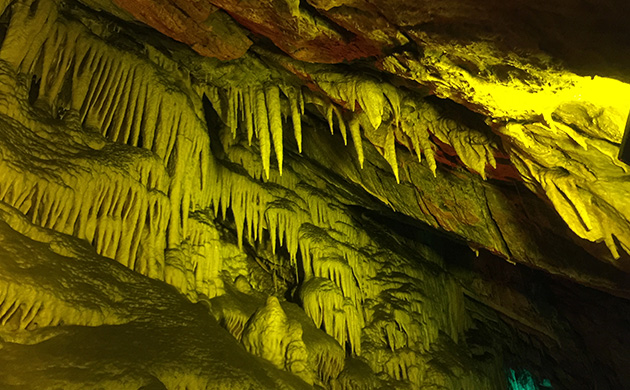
(215, 124)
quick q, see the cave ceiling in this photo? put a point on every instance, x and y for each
(376, 189)
(529, 98)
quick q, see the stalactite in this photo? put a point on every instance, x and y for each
(120, 195)
(390, 153)
(355, 132)
(336, 269)
(473, 147)
(103, 80)
(248, 112)
(256, 207)
(408, 318)
(342, 125)
(579, 193)
(323, 301)
(233, 97)
(161, 178)
(233, 313)
(402, 366)
(372, 101)
(35, 300)
(294, 95)
(262, 129)
(369, 104)
(272, 95)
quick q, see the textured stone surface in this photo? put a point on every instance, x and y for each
(207, 30)
(299, 32)
(364, 194)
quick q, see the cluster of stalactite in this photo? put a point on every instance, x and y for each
(109, 142)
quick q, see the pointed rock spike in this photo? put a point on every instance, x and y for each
(262, 128)
(355, 132)
(342, 126)
(274, 110)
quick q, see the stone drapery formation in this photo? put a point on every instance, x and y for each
(285, 165)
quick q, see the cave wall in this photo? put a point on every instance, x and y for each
(224, 205)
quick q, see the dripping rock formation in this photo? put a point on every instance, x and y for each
(315, 194)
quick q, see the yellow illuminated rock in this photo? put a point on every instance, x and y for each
(181, 206)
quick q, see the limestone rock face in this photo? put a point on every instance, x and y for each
(200, 25)
(337, 194)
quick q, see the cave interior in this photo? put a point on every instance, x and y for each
(314, 194)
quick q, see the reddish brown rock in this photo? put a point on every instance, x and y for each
(298, 32)
(364, 20)
(200, 25)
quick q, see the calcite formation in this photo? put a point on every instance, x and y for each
(321, 194)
